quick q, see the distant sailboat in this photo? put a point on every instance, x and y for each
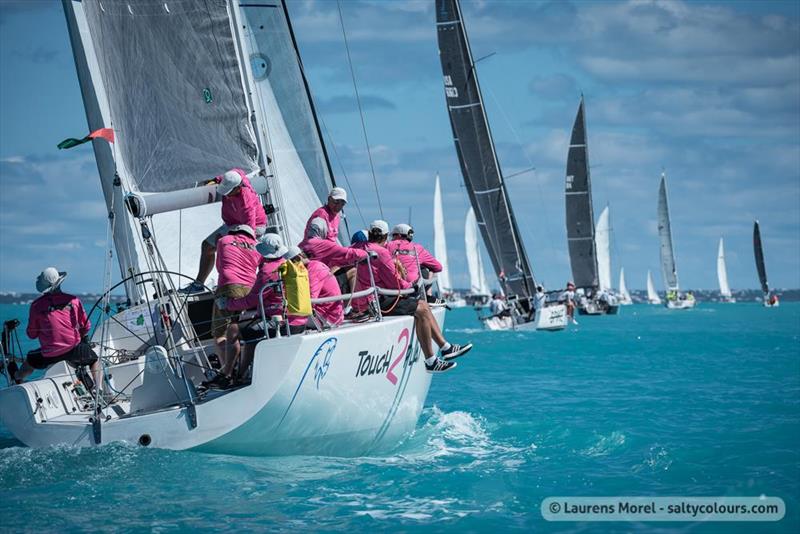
(652, 294)
(484, 181)
(624, 297)
(478, 287)
(588, 245)
(440, 250)
(722, 275)
(675, 301)
(770, 299)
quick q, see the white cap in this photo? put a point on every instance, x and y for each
(271, 246)
(230, 181)
(246, 228)
(318, 228)
(293, 252)
(401, 229)
(337, 193)
(378, 224)
(49, 280)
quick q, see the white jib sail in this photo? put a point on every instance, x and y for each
(652, 294)
(722, 272)
(477, 277)
(439, 241)
(602, 242)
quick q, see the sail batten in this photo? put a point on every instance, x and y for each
(477, 156)
(583, 253)
(668, 268)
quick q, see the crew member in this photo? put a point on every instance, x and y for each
(240, 205)
(385, 274)
(237, 262)
(568, 297)
(59, 322)
(412, 256)
(322, 283)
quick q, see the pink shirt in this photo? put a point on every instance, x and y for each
(59, 321)
(237, 260)
(404, 251)
(273, 303)
(383, 270)
(331, 218)
(331, 253)
(324, 284)
(244, 207)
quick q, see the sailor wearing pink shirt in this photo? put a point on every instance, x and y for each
(237, 262)
(330, 213)
(322, 283)
(240, 205)
(384, 272)
(59, 322)
(413, 256)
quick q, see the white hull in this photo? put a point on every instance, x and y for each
(550, 318)
(768, 305)
(341, 392)
(683, 304)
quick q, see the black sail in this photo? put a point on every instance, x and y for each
(759, 253)
(477, 156)
(578, 200)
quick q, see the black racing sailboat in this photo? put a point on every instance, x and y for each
(583, 254)
(770, 299)
(479, 164)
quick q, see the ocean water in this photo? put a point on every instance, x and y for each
(652, 402)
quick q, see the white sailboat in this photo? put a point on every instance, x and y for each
(652, 294)
(479, 292)
(624, 297)
(440, 251)
(675, 299)
(722, 275)
(605, 301)
(344, 391)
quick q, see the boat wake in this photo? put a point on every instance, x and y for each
(605, 444)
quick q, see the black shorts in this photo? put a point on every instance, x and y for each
(255, 331)
(406, 306)
(81, 354)
(341, 279)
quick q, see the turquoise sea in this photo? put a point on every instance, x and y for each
(652, 402)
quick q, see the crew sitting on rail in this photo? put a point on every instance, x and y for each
(341, 260)
(237, 262)
(413, 256)
(271, 251)
(59, 322)
(240, 205)
(322, 284)
(386, 276)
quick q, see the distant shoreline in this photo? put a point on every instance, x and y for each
(638, 295)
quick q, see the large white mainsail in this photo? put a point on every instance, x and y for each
(477, 277)
(439, 240)
(722, 272)
(624, 296)
(652, 294)
(602, 243)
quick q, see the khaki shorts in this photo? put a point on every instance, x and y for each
(220, 319)
(223, 230)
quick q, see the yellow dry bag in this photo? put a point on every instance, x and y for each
(298, 292)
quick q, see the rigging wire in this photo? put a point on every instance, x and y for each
(360, 109)
(547, 219)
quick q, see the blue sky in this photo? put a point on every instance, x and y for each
(710, 91)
